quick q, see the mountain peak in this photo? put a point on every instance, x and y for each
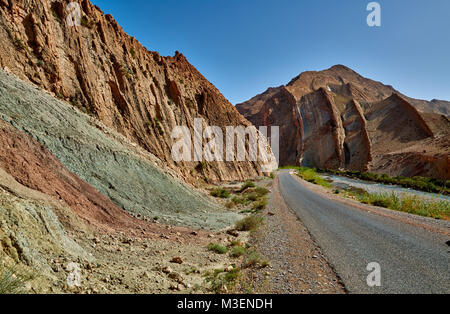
(340, 67)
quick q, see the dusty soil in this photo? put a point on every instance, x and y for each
(297, 265)
(135, 265)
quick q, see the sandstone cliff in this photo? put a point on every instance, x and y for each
(339, 119)
(98, 68)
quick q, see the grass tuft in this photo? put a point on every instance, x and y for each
(237, 251)
(217, 248)
(222, 281)
(437, 209)
(310, 175)
(13, 280)
(254, 259)
(249, 223)
(87, 23)
(260, 205)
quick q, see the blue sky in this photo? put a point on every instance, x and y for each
(245, 46)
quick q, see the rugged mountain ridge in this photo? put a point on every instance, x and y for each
(338, 119)
(100, 69)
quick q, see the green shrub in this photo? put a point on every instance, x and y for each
(253, 197)
(220, 279)
(220, 192)
(236, 243)
(217, 248)
(159, 127)
(240, 200)
(202, 165)
(382, 203)
(406, 203)
(56, 15)
(249, 223)
(133, 52)
(254, 259)
(237, 251)
(265, 263)
(310, 175)
(246, 185)
(260, 191)
(19, 44)
(126, 71)
(260, 205)
(417, 183)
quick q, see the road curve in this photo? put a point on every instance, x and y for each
(412, 259)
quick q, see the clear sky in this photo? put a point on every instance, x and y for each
(245, 46)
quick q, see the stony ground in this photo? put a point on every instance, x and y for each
(134, 265)
(297, 265)
(120, 264)
(154, 258)
(165, 259)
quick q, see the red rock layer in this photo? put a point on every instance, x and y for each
(33, 166)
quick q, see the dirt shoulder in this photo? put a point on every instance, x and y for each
(297, 265)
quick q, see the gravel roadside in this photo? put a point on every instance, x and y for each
(297, 265)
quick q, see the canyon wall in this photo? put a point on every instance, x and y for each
(108, 74)
(98, 172)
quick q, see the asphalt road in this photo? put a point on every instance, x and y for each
(411, 259)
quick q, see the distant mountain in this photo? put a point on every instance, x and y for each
(338, 119)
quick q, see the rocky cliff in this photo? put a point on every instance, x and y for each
(67, 181)
(100, 69)
(99, 160)
(339, 119)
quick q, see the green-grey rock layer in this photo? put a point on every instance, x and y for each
(105, 159)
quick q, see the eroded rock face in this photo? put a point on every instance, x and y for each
(110, 75)
(33, 166)
(106, 174)
(338, 119)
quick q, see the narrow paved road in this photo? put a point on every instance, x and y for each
(412, 259)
